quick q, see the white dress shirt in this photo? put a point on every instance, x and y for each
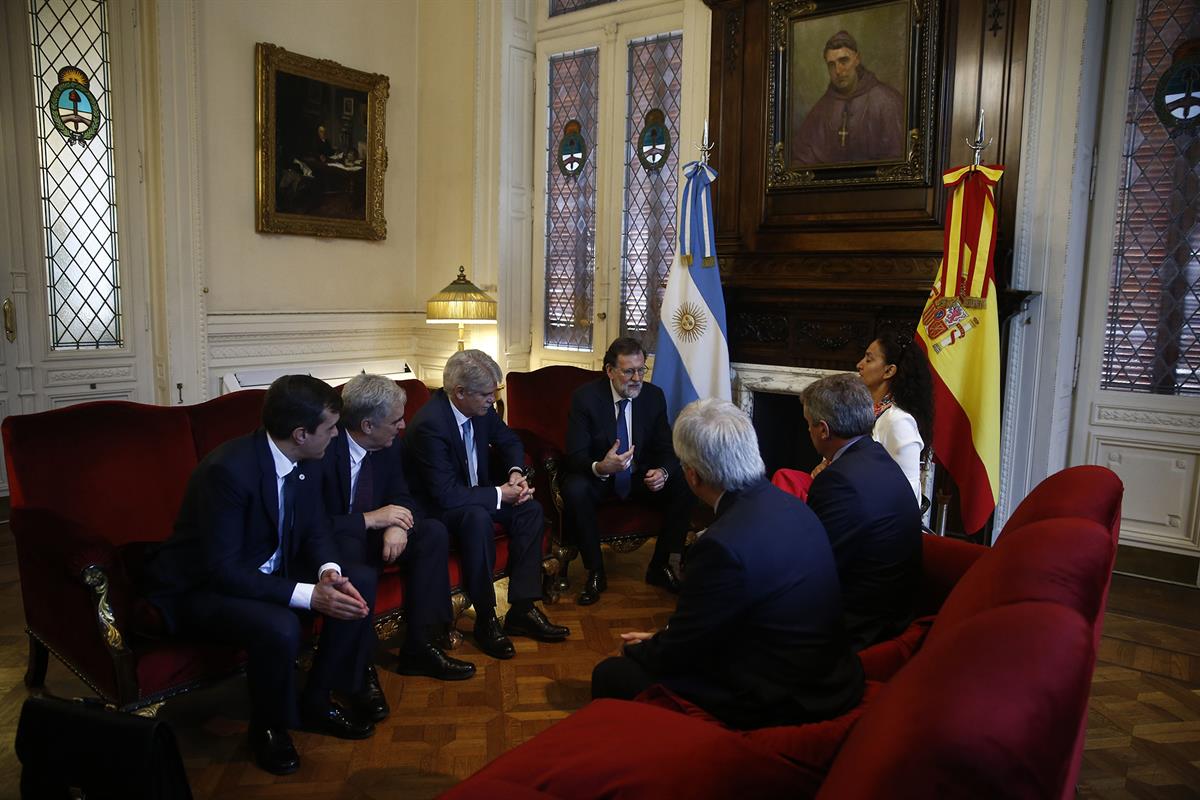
(357, 454)
(302, 593)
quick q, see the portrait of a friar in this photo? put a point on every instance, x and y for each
(858, 119)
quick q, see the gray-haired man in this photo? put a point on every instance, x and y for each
(757, 637)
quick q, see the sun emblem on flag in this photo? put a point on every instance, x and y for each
(689, 322)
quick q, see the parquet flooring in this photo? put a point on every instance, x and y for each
(1143, 726)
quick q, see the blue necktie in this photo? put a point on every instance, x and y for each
(622, 481)
(469, 444)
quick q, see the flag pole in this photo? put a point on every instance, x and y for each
(705, 147)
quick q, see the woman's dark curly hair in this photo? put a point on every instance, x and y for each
(912, 387)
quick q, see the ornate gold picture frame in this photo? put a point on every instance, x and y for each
(320, 147)
(850, 93)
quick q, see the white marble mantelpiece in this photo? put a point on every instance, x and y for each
(751, 378)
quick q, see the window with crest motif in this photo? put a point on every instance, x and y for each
(77, 185)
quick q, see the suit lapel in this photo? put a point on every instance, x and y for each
(456, 442)
(342, 463)
(608, 411)
(269, 489)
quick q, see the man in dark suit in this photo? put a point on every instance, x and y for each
(376, 519)
(757, 636)
(447, 455)
(619, 445)
(868, 509)
(250, 535)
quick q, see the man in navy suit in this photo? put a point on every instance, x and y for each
(868, 509)
(250, 536)
(619, 445)
(757, 638)
(376, 519)
(447, 454)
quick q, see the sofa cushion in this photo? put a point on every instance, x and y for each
(1085, 491)
(973, 714)
(943, 563)
(1063, 561)
(621, 748)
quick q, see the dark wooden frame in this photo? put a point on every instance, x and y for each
(921, 41)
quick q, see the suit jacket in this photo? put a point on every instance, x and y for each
(757, 636)
(437, 459)
(874, 527)
(388, 484)
(228, 526)
(592, 429)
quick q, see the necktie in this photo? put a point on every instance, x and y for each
(364, 487)
(622, 481)
(287, 518)
(469, 443)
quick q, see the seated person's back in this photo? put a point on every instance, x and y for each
(867, 508)
(757, 636)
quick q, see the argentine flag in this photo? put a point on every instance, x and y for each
(693, 354)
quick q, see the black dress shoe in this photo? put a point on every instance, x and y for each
(662, 576)
(334, 720)
(491, 639)
(371, 703)
(433, 663)
(273, 750)
(533, 623)
(592, 587)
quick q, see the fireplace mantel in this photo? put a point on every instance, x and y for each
(751, 378)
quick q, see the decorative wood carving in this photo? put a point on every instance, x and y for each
(836, 264)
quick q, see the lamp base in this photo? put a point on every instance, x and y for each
(461, 334)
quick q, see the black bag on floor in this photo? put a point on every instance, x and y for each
(65, 745)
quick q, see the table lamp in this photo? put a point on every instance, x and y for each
(461, 303)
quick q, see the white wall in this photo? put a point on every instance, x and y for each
(249, 271)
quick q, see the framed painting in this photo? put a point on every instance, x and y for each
(321, 153)
(850, 92)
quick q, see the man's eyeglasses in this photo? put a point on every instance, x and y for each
(629, 373)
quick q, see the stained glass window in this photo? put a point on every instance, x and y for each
(571, 201)
(566, 6)
(1151, 334)
(649, 237)
(75, 160)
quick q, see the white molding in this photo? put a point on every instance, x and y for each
(275, 339)
(71, 377)
(1063, 77)
(1141, 418)
(182, 208)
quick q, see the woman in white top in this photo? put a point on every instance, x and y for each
(896, 372)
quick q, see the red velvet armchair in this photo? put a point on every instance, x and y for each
(538, 403)
(91, 485)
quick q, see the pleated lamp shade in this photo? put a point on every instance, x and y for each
(461, 303)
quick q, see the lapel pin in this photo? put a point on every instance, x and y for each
(301, 476)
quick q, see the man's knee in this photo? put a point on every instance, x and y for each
(617, 677)
(364, 578)
(577, 492)
(529, 517)
(473, 523)
(279, 632)
(429, 539)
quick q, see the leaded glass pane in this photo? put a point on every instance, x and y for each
(78, 190)
(566, 6)
(648, 235)
(571, 201)
(1150, 337)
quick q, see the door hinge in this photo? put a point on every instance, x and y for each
(1075, 372)
(141, 167)
(133, 13)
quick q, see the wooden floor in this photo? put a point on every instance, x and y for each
(1143, 726)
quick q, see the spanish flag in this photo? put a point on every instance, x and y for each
(960, 333)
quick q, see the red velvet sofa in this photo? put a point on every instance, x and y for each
(987, 697)
(91, 485)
